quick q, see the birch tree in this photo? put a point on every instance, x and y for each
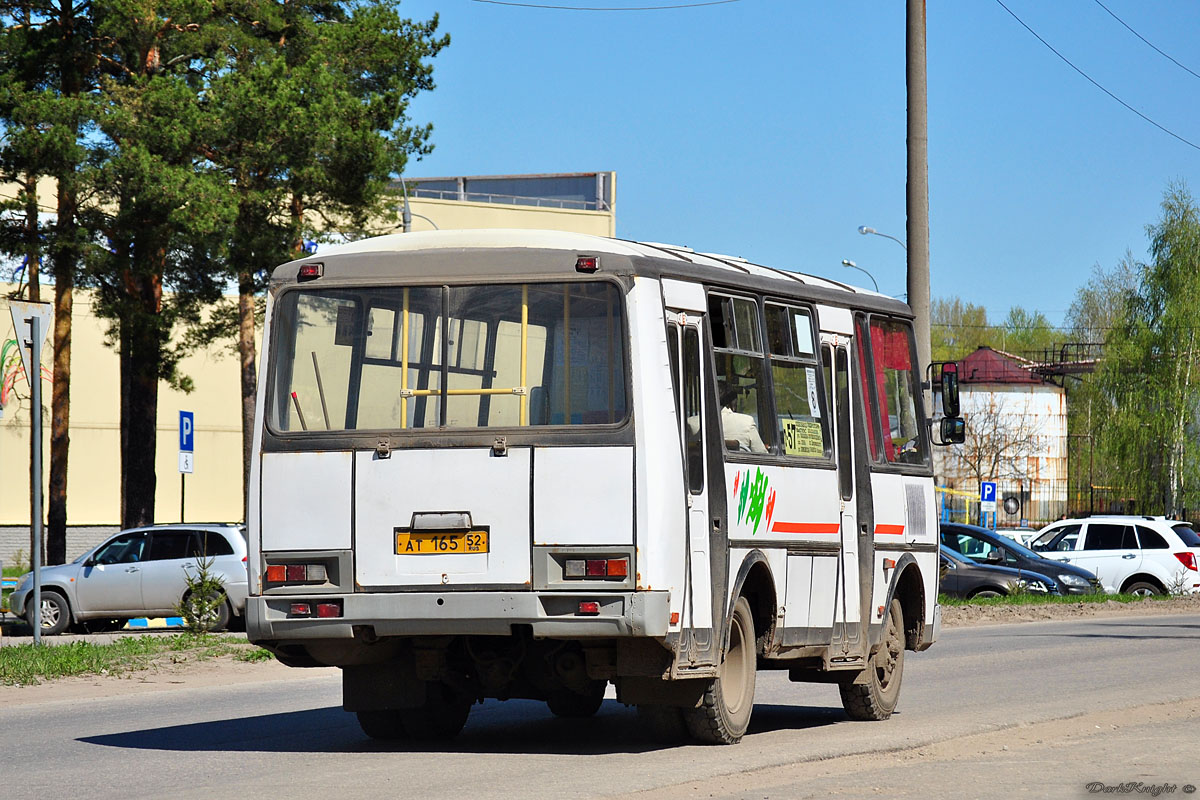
(1150, 373)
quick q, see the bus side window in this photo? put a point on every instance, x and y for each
(692, 409)
(738, 355)
(869, 403)
(803, 429)
(673, 354)
(896, 391)
(844, 460)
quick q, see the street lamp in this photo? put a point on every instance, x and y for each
(864, 230)
(852, 265)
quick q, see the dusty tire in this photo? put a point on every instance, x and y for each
(387, 726)
(876, 699)
(724, 711)
(441, 718)
(1143, 589)
(578, 706)
(56, 616)
(984, 594)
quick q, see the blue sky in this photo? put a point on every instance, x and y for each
(772, 129)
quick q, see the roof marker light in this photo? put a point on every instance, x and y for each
(309, 272)
(588, 264)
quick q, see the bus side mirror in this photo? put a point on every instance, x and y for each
(953, 430)
(950, 389)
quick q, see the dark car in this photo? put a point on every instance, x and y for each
(962, 577)
(985, 546)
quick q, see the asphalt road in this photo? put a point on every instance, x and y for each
(1034, 710)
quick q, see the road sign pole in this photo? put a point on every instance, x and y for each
(187, 449)
(35, 381)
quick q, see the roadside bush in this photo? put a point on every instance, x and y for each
(201, 606)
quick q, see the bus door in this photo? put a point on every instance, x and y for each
(848, 644)
(685, 338)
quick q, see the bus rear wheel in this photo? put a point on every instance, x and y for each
(440, 718)
(723, 715)
(876, 698)
(385, 725)
(576, 704)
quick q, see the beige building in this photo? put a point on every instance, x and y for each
(576, 202)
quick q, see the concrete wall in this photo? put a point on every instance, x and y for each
(14, 542)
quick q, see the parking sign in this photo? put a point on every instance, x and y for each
(987, 496)
(187, 441)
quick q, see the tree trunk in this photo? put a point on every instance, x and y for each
(249, 377)
(65, 261)
(141, 354)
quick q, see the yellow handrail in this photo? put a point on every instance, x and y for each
(404, 366)
(524, 352)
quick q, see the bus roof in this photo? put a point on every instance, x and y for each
(372, 258)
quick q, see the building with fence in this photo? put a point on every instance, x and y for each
(1016, 436)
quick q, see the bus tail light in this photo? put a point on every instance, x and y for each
(589, 608)
(296, 573)
(596, 568)
(300, 610)
(1188, 559)
(328, 610)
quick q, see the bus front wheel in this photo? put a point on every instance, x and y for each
(875, 699)
(724, 712)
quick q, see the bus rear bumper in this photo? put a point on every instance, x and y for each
(550, 615)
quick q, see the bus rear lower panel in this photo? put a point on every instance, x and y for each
(366, 618)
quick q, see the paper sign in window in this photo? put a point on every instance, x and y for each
(802, 438)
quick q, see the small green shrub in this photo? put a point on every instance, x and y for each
(201, 606)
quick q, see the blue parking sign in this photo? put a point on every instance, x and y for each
(987, 492)
(187, 432)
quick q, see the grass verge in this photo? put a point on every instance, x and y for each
(25, 664)
(1029, 599)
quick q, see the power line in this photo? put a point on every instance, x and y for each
(1092, 81)
(1144, 39)
(593, 8)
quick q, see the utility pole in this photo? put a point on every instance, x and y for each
(917, 198)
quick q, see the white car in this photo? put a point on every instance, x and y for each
(140, 572)
(1129, 554)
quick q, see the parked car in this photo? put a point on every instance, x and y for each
(962, 577)
(988, 547)
(140, 572)
(1129, 554)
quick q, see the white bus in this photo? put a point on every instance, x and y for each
(527, 464)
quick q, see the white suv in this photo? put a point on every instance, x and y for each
(1129, 554)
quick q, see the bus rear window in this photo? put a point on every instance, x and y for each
(392, 358)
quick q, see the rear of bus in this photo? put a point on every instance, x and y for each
(443, 498)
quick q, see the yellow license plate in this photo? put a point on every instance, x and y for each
(441, 544)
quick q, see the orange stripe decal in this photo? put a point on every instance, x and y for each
(891, 530)
(804, 527)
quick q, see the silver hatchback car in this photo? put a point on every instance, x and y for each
(140, 572)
